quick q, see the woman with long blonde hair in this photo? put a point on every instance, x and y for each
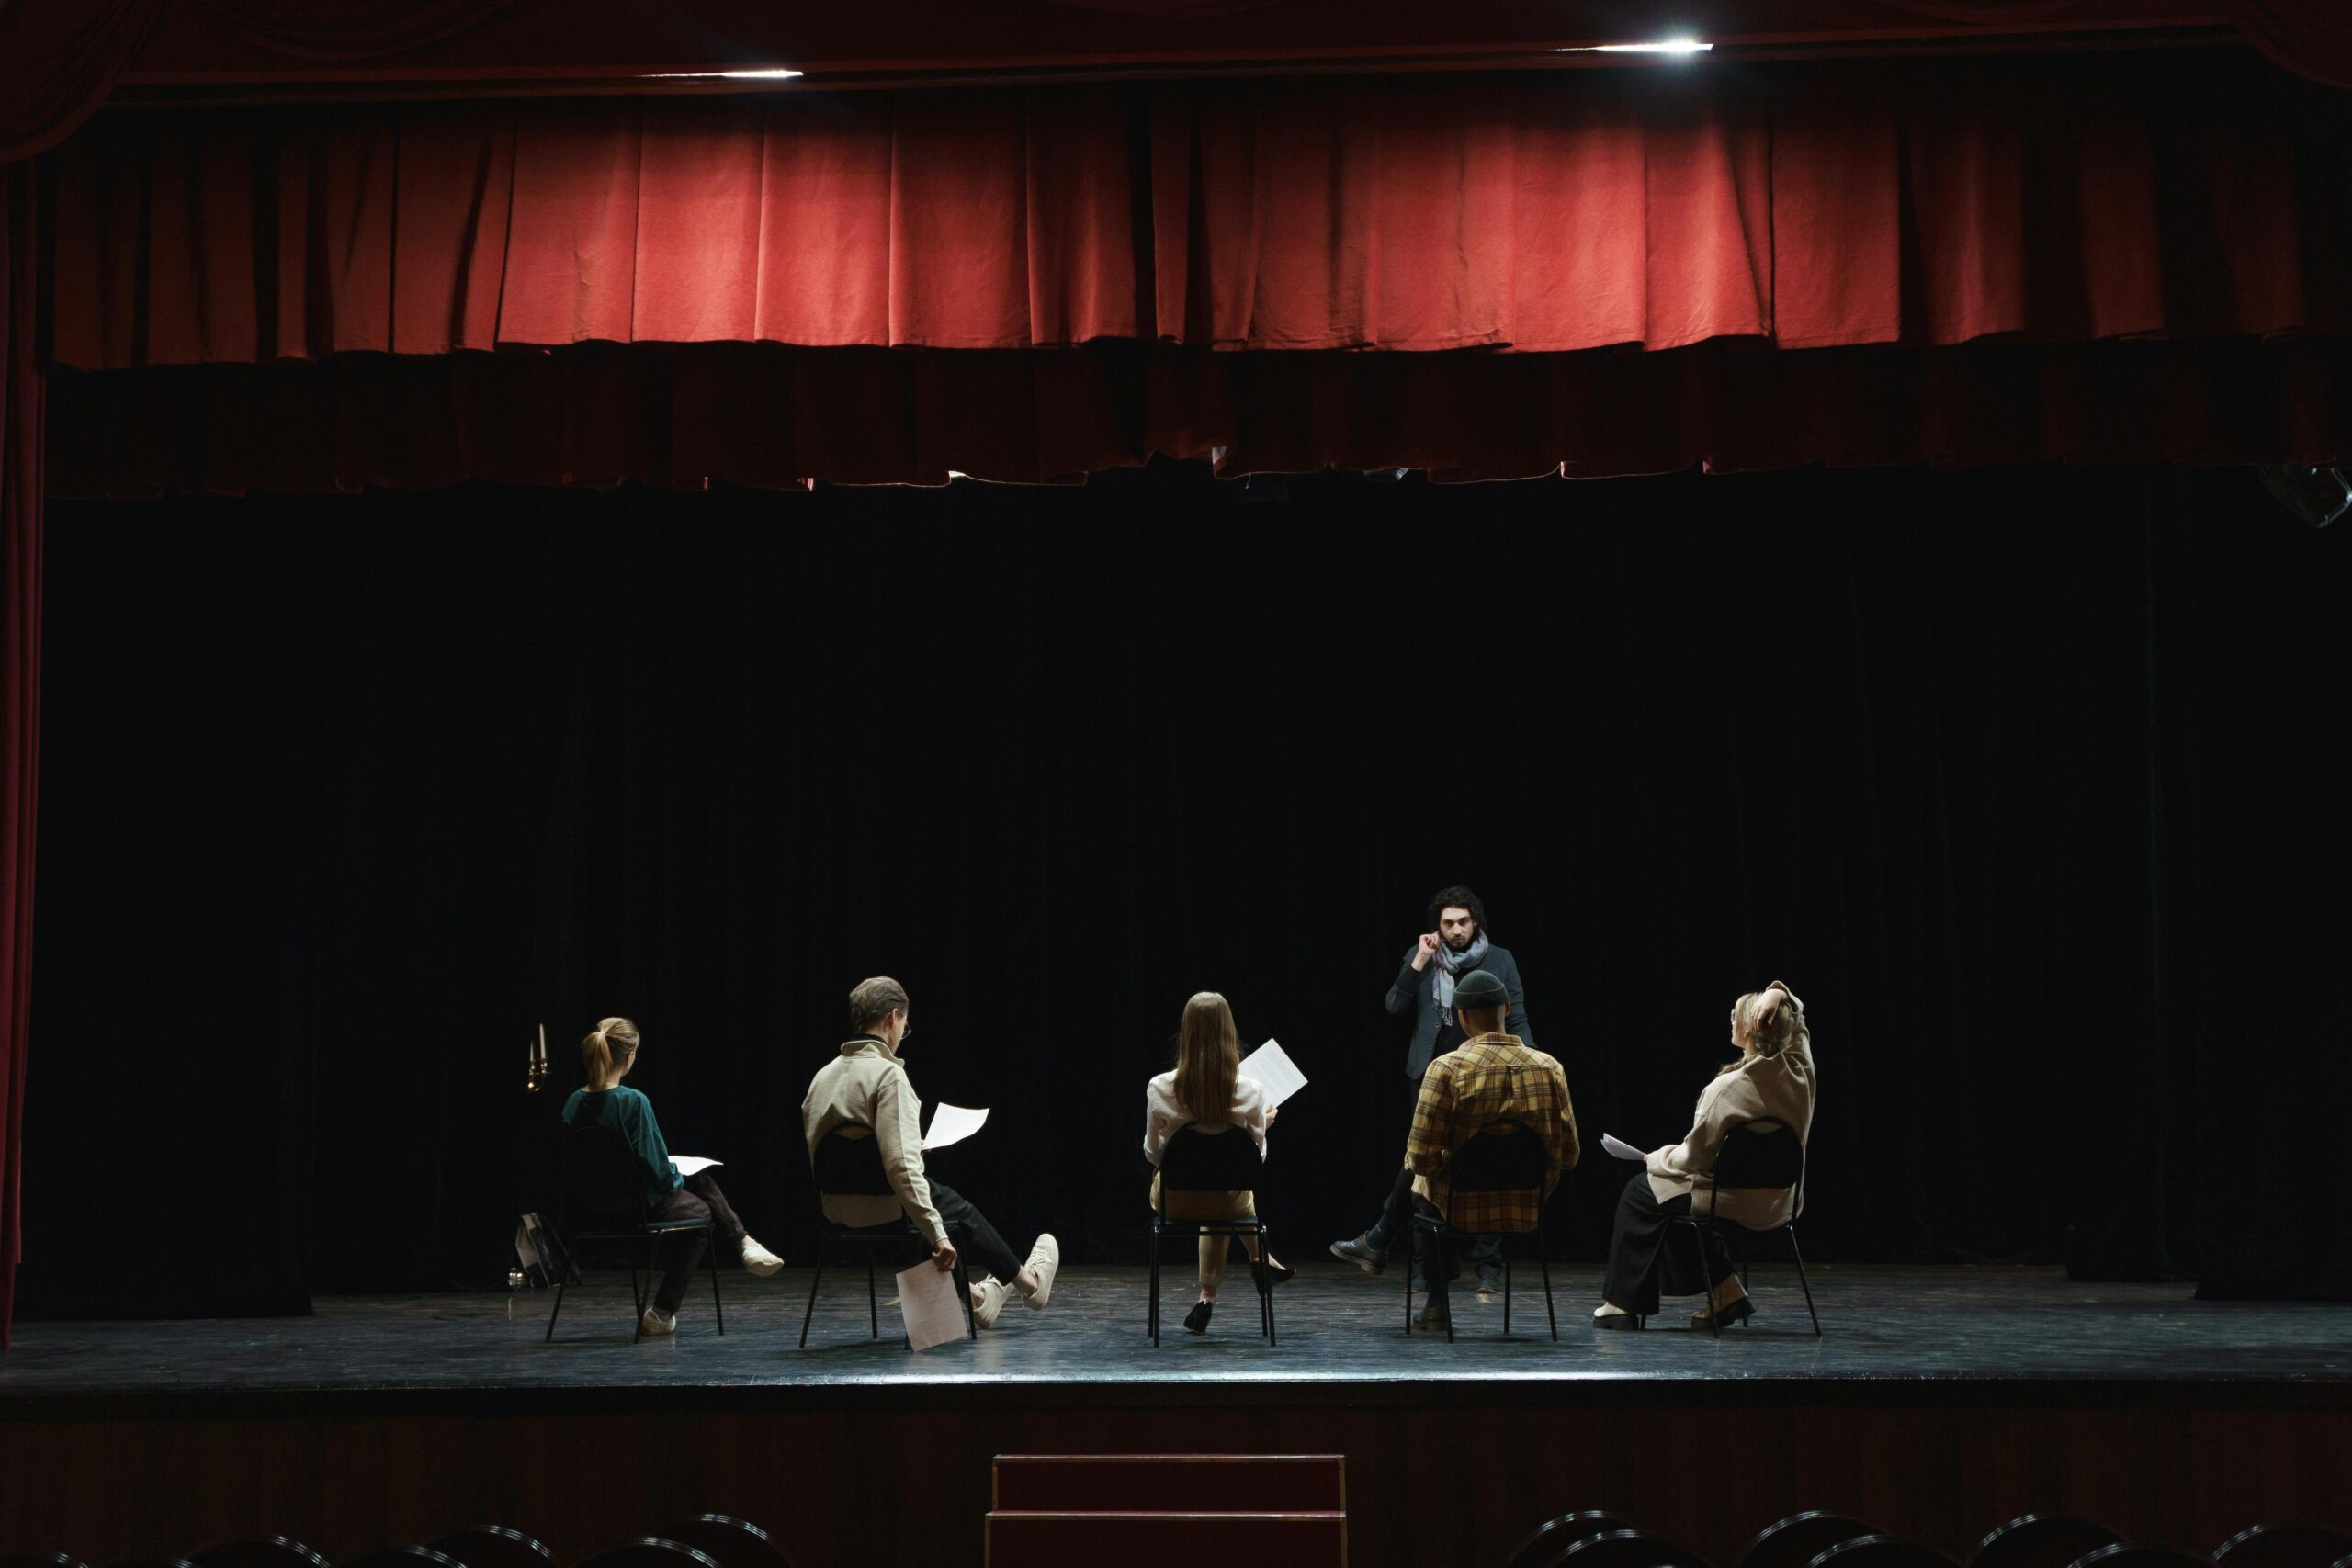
(1208, 1090)
(1772, 1077)
(608, 1053)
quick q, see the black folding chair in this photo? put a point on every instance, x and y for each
(2284, 1546)
(649, 1552)
(604, 1205)
(1883, 1552)
(1503, 1158)
(2133, 1556)
(495, 1546)
(1197, 1164)
(1765, 1154)
(272, 1551)
(2041, 1540)
(403, 1556)
(848, 1164)
(1542, 1546)
(1796, 1541)
(730, 1542)
(1628, 1548)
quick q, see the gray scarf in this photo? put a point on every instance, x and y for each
(1450, 964)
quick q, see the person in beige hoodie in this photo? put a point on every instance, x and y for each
(1772, 1077)
(865, 1090)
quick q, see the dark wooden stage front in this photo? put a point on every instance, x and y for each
(1939, 1403)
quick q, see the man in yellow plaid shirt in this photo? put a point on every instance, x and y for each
(1489, 1077)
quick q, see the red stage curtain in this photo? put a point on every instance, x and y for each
(59, 61)
(1803, 207)
(349, 30)
(760, 415)
(2309, 37)
(21, 490)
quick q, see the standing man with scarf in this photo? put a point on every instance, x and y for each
(1433, 965)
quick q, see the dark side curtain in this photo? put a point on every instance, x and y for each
(21, 496)
(2026, 777)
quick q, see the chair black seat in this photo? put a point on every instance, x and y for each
(1882, 1552)
(604, 1187)
(2133, 1556)
(649, 1552)
(2284, 1546)
(847, 1162)
(1760, 1156)
(727, 1541)
(2041, 1540)
(42, 1560)
(1796, 1541)
(1628, 1548)
(273, 1552)
(1501, 1157)
(494, 1546)
(1542, 1546)
(403, 1557)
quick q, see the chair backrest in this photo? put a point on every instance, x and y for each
(1759, 1154)
(2284, 1546)
(649, 1552)
(602, 1177)
(1882, 1552)
(2041, 1540)
(1502, 1156)
(403, 1556)
(1796, 1541)
(274, 1552)
(727, 1541)
(850, 1165)
(43, 1560)
(2131, 1555)
(495, 1546)
(1198, 1161)
(1551, 1537)
(1627, 1548)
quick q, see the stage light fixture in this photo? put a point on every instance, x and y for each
(1663, 46)
(768, 73)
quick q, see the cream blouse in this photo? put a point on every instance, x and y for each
(1161, 1116)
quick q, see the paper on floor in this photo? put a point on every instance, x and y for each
(927, 1302)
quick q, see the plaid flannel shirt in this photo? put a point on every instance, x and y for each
(1491, 1078)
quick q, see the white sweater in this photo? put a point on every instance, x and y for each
(1778, 1086)
(1161, 1115)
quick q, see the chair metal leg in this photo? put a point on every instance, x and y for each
(1714, 1313)
(1445, 1275)
(718, 1312)
(873, 1307)
(1506, 1295)
(1152, 1311)
(635, 1294)
(823, 1243)
(559, 1285)
(1412, 1245)
(1543, 1262)
(962, 1276)
(1794, 1251)
(1266, 1281)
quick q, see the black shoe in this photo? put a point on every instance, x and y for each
(1197, 1320)
(1361, 1252)
(1277, 1272)
(1617, 1320)
(1739, 1310)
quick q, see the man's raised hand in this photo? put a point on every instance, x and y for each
(1425, 950)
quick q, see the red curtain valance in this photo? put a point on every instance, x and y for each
(757, 415)
(1926, 202)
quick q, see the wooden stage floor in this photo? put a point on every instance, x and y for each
(1939, 1403)
(1901, 1333)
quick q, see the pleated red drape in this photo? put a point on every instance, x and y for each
(1919, 203)
(21, 489)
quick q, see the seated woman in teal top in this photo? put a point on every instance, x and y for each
(608, 1054)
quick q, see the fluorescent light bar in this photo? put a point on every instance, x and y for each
(1666, 46)
(772, 74)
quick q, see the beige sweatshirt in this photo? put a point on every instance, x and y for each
(868, 1085)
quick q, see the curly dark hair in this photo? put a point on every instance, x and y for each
(1457, 897)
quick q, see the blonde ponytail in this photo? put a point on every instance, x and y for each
(606, 1052)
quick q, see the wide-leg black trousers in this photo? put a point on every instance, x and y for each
(1644, 1259)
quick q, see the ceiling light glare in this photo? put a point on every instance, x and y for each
(769, 73)
(1665, 46)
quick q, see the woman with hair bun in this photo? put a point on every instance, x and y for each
(609, 1052)
(1772, 1077)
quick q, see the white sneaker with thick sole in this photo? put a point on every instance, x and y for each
(992, 1294)
(758, 1259)
(1044, 1262)
(656, 1322)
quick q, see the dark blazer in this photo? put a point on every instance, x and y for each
(1417, 989)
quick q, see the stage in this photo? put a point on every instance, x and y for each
(1937, 1403)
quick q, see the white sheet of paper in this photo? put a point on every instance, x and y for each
(927, 1302)
(689, 1164)
(953, 1124)
(1611, 1143)
(1275, 1072)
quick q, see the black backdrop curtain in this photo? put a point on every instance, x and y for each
(2026, 778)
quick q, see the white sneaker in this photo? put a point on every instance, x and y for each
(1044, 1262)
(991, 1302)
(655, 1321)
(758, 1259)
